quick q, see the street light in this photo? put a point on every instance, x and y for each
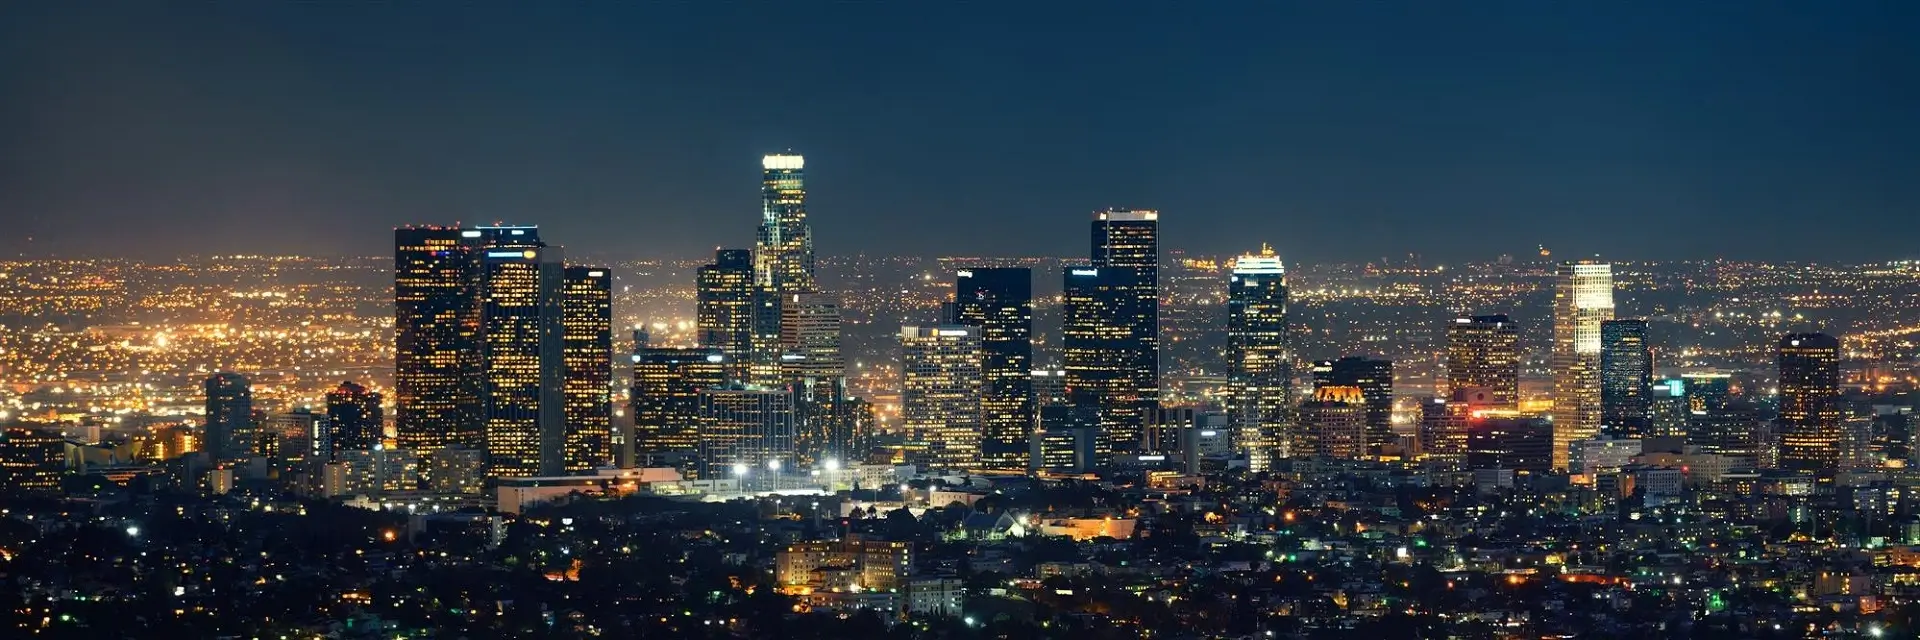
(833, 464)
(773, 464)
(739, 469)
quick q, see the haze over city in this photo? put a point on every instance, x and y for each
(1335, 131)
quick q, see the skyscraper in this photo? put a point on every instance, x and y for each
(783, 256)
(1510, 440)
(1374, 378)
(746, 426)
(999, 302)
(1810, 415)
(1626, 379)
(1259, 358)
(1483, 352)
(436, 337)
(1130, 239)
(587, 350)
(811, 362)
(354, 419)
(1582, 299)
(522, 338)
(725, 308)
(1108, 353)
(940, 394)
(666, 402)
(229, 429)
(1334, 423)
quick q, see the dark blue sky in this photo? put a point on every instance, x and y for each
(1334, 130)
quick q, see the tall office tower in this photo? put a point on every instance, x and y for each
(1582, 299)
(666, 402)
(1000, 303)
(1483, 352)
(354, 419)
(1130, 239)
(586, 319)
(1626, 379)
(1374, 378)
(1106, 343)
(1810, 416)
(1259, 358)
(1334, 423)
(229, 428)
(783, 256)
(1730, 430)
(1667, 408)
(1498, 439)
(1444, 423)
(940, 396)
(522, 338)
(725, 308)
(811, 362)
(436, 322)
(748, 426)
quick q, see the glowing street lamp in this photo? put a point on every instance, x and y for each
(739, 469)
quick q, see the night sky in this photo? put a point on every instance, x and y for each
(1334, 130)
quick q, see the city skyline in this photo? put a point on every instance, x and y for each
(1536, 122)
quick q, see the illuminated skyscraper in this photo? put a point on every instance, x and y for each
(1334, 423)
(436, 337)
(230, 429)
(999, 302)
(32, 460)
(725, 309)
(1667, 408)
(783, 257)
(1444, 424)
(941, 391)
(354, 420)
(1626, 379)
(1810, 411)
(811, 362)
(1108, 351)
(666, 402)
(747, 426)
(1374, 378)
(522, 341)
(587, 322)
(1130, 239)
(1582, 299)
(1483, 352)
(1259, 358)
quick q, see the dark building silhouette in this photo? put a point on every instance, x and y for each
(1108, 353)
(1503, 440)
(354, 420)
(1626, 379)
(1810, 416)
(230, 431)
(999, 302)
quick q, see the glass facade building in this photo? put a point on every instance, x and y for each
(1582, 299)
(587, 349)
(940, 392)
(1259, 358)
(1810, 412)
(999, 303)
(436, 337)
(1626, 379)
(1483, 352)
